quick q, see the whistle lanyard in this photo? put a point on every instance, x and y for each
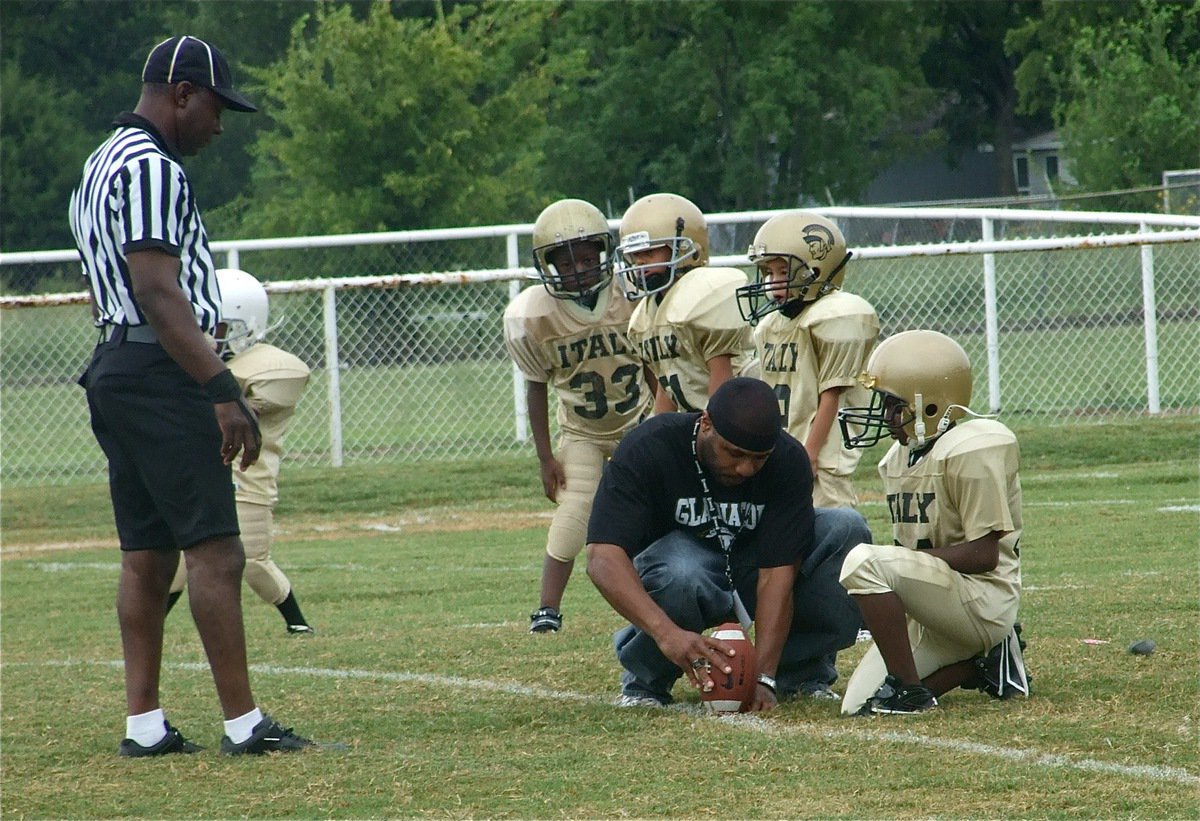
(725, 534)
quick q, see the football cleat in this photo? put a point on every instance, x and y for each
(638, 700)
(172, 742)
(301, 630)
(894, 698)
(545, 620)
(817, 690)
(1001, 671)
(268, 737)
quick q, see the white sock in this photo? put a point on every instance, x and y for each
(147, 729)
(240, 728)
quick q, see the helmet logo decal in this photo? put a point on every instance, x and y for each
(819, 239)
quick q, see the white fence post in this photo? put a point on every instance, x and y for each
(1150, 323)
(991, 323)
(520, 412)
(333, 369)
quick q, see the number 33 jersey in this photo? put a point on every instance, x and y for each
(585, 355)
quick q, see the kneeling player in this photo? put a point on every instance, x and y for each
(950, 587)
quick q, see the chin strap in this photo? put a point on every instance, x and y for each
(943, 424)
(919, 419)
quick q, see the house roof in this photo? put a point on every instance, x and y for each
(1046, 141)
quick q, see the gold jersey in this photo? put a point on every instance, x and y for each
(965, 487)
(272, 380)
(585, 355)
(825, 346)
(696, 320)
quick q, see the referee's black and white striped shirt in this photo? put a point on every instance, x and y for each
(133, 196)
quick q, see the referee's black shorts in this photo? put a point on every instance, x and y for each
(170, 489)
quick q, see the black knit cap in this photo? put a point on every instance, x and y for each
(745, 412)
(192, 59)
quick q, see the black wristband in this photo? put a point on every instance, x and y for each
(223, 388)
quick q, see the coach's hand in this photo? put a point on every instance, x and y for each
(239, 432)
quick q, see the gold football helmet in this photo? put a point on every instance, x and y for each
(920, 384)
(815, 253)
(660, 221)
(561, 255)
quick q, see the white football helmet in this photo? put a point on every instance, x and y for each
(815, 252)
(243, 311)
(565, 225)
(660, 221)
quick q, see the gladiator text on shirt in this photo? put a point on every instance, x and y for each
(692, 512)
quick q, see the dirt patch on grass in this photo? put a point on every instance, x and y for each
(301, 528)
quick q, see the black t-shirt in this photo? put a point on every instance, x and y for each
(650, 487)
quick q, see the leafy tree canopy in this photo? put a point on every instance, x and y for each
(734, 105)
(1123, 80)
(391, 123)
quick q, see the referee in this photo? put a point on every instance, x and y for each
(168, 414)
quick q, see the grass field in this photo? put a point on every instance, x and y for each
(420, 580)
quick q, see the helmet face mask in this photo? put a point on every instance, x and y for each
(920, 384)
(886, 416)
(816, 256)
(573, 250)
(643, 278)
(244, 312)
(663, 236)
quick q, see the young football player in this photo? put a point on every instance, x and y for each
(686, 322)
(572, 332)
(950, 587)
(272, 380)
(812, 340)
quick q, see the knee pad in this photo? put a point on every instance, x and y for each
(583, 462)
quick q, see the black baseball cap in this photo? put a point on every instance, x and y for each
(192, 59)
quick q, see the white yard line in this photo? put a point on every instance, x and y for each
(757, 724)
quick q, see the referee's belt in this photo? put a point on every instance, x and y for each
(129, 333)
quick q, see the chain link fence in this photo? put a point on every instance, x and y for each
(1066, 317)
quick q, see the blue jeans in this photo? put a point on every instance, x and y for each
(686, 578)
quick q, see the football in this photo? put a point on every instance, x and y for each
(732, 692)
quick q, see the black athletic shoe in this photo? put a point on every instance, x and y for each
(1001, 672)
(268, 737)
(172, 742)
(545, 620)
(894, 698)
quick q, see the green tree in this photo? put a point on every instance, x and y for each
(70, 66)
(969, 63)
(734, 105)
(391, 123)
(41, 155)
(67, 69)
(1125, 89)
